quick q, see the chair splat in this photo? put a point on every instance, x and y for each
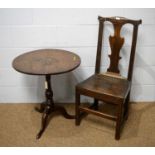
(116, 43)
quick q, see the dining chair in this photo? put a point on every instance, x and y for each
(109, 87)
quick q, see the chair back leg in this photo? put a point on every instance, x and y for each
(126, 107)
(95, 104)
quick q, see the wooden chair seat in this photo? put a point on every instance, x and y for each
(106, 88)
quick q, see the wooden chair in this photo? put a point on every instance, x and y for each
(109, 87)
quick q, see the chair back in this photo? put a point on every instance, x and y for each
(116, 42)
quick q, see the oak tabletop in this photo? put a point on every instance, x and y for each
(46, 62)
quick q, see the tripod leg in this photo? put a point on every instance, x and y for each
(44, 121)
(41, 108)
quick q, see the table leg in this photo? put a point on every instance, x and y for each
(44, 121)
(41, 108)
(50, 107)
(63, 111)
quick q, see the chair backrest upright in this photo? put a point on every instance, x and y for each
(116, 42)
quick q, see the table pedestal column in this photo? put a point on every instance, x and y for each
(48, 107)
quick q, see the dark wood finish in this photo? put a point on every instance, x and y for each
(47, 62)
(116, 43)
(99, 47)
(133, 49)
(88, 110)
(50, 107)
(105, 86)
(109, 87)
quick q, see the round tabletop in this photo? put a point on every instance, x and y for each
(46, 62)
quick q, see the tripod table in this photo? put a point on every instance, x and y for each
(47, 62)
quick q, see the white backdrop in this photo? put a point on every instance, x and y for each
(22, 30)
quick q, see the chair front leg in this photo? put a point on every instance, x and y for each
(118, 121)
(77, 111)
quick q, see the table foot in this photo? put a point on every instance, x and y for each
(39, 134)
(63, 111)
(44, 121)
